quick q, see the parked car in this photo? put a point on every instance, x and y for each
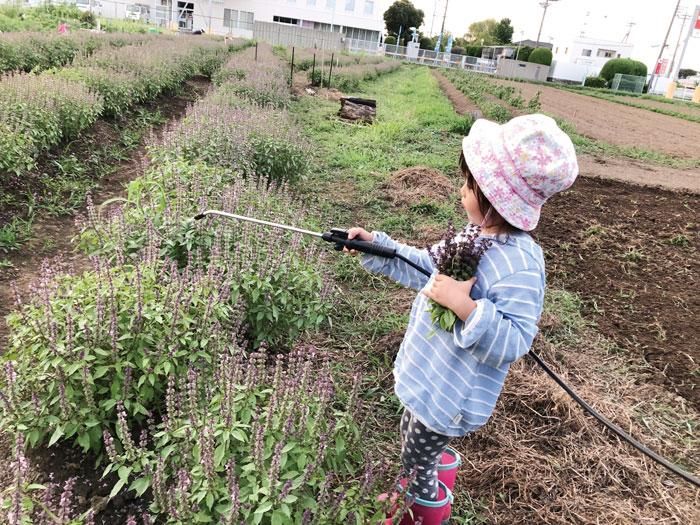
(140, 12)
(94, 6)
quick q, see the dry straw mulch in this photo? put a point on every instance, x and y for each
(415, 185)
(542, 460)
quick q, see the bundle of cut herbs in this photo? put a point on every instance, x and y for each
(456, 256)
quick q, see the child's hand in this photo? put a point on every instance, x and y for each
(358, 233)
(452, 294)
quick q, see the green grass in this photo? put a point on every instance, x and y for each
(14, 233)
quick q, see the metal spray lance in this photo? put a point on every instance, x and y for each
(337, 236)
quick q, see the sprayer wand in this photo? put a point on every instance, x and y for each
(338, 237)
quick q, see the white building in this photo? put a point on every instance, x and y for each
(582, 57)
(356, 19)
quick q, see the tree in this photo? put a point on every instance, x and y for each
(685, 73)
(483, 30)
(402, 14)
(503, 32)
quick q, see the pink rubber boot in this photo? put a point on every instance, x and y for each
(429, 512)
(447, 473)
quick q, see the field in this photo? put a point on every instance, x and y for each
(157, 369)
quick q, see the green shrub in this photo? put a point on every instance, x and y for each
(595, 82)
(625, 66)
(541, 55)
(473, 51)
(457, 50)
(107, 336)
(278, 159)
(390, 40)
(524, 53)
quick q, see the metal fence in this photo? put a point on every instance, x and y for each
(631, 83)
(294, 36)
(439, 59)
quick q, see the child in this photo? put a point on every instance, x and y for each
(448, 382)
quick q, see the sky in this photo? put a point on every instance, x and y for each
(604, 19)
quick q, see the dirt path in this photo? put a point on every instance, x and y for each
(624, 170)
(462, 104)
(693, 111)
(51, 241)
(618, 124)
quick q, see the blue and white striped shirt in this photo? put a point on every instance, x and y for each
(450, 381)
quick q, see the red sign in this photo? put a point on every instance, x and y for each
(661, 66)
(697, 21)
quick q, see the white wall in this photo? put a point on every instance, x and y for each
(571, 52)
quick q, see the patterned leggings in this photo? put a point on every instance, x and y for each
(421, 451)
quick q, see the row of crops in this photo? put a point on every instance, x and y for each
(483, 92)
(39, 111)
(176, 361)
(27, 51)
(341, 70)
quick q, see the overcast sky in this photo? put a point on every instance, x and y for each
(606, 19)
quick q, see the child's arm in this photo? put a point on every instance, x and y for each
(503, 325)
(396, 269)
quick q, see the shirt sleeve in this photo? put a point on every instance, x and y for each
(397, 269)
(503, 325)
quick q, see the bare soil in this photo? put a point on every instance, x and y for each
(462, 104)
(617, 124)
(633, 253)
(599, 166)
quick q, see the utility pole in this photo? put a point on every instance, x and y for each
(544, 5)
(691, 29)
(663, 46)
(442, 28)
(432, 21)
(629, 30)
(685, 16)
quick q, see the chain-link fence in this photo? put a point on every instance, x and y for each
(631, 83)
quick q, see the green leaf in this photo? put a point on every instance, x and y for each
(267, 505)
(124, 473)
(210, 500)
(84, 441)
(140, 485)
(56, 435)
(117, 487)
(203, 517)
(219, 454)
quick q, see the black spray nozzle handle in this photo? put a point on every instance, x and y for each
(340, 239)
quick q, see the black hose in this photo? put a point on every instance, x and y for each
(612, 426)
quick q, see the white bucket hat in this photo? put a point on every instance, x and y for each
(520, 164)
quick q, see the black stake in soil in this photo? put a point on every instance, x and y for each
(313, 70)
(330, 70)
(338, 237)
(256, 51)
(291, 72)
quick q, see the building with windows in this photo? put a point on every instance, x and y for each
(360, 20)
(592, 53)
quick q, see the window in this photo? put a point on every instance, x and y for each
(369, 7)
(310, 2)
(606, 53)
(239, 19)
(285, 20)
(566, 50)
(330, 4)
(586, 52)
(350, 5)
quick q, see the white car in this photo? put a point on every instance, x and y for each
(94, 6)
(140, 12)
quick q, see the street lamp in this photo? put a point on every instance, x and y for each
(544, 5)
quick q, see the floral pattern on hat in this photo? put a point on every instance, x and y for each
(520, 164)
